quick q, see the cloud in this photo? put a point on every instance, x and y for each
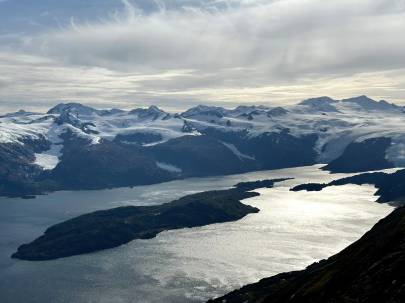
(290, 37)
(216, 51)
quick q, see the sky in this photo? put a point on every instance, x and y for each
(180, 53)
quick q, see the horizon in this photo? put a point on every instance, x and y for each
(180, 110)
(187, 52)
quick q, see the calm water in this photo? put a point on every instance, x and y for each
(292, 230)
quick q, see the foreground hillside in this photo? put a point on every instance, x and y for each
(73, 146)
(369, 270)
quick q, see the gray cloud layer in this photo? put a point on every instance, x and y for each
(179, 53)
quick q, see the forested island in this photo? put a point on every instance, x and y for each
(111, 228)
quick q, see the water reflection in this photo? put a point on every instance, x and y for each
(292, 230)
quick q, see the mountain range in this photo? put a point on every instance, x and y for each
(74, 146)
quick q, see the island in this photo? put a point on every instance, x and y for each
(114, 227)
(389, 186)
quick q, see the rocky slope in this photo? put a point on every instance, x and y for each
(370, 270)
(74, 146)
(362, 156)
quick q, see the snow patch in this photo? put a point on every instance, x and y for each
(169, 167)
(236, 152)
(50, 158)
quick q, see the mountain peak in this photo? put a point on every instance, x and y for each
(324, 104)
(152, 112)
(277, 111)
(367, 103)
(73, 107)
(359, 99)
(317, 100)
(154, 108)
(204, 110)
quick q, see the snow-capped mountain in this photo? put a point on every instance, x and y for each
(76, 146)
(322, 104)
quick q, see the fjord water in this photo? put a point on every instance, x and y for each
(292, 230)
